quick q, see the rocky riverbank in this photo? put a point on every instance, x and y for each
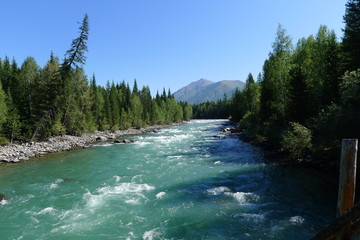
(13, 153)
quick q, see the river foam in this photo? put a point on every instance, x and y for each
(129, 192)
(152, 234)
(55, 184)
(241, 197)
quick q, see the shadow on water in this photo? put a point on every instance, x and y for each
(257, 201)
(253, 201)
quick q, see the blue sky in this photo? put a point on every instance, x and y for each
(162, 43)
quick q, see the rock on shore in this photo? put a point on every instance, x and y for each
(13, 153)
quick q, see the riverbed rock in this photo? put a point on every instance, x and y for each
(219, 136)
(2, 197)
(124, 141)
(12, 153)
(110, 137)
(226, 129)
(101, 138)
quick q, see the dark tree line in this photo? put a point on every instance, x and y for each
(308, 95)
(212, 110)
(38, 102)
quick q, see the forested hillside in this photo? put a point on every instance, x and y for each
(38, 102)
(307, 97)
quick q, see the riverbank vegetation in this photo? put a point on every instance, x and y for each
(39, 102)
(307, 97)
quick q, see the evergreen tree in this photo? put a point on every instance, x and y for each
(6, 74)
(187, 110)
(252, 94)
(135, 88)
(3, 107)
(114, 107)
(136, 111)
(73, 116)
(96, 102)
(169, 95)
(238, 105)
(48, 90)
(146, 101)
(163, 95)
(76, 54)
(351, 40)
(77, 104)
(26, 92)
(12, 127)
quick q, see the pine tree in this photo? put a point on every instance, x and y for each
(252, 94)
(96, 102)
(6, 74)
(351, 40)
(145, 98)
(169, 95)
(135, 88)
(12, 127)
(3, 107)
(114, 107)
(71, 109)
(76, 54)
(26, 94)
(136, 111)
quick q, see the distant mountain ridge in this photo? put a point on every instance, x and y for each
(205, 90)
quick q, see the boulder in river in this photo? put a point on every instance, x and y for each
(124, 141)
(219, 136)
(101, 138)
(127, 141)
(2, 197)
(226, 129)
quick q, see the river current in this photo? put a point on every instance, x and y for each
(179, 183)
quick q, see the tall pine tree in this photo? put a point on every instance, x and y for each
(351, 40)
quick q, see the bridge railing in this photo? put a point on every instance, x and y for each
(347, 223)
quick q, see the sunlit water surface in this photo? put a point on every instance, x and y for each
(179, 183)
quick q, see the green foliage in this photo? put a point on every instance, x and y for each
(3, 141)
(302, 85)
(237, 105)
(136, 112)
(3, 107)
(76, 54)
(327, 126)
(350, 103)
(340, 120)
(251, 122)
(12, 126)
(275, 81)
(187, 110)
(351, 39)
(57, 127)
(212, 110)
(296, 140)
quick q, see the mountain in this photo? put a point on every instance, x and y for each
(205, 90)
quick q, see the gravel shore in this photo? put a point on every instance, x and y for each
(13, 153)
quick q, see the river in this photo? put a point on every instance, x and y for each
(179, 183)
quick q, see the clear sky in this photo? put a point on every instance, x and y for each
(162, 43)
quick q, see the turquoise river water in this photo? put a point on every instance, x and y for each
(179, 183)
